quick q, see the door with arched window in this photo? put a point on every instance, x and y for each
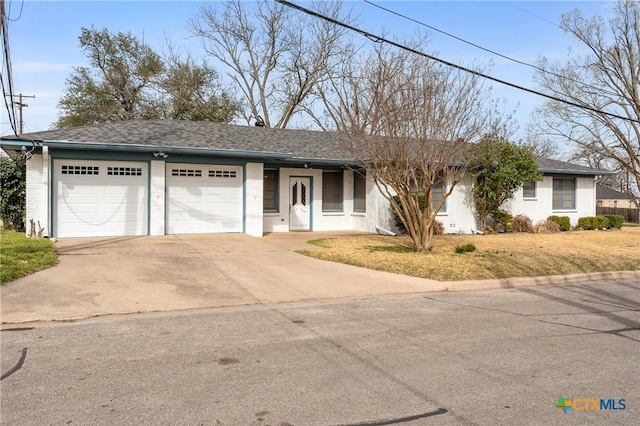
(299, 204)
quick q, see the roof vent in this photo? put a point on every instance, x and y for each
(259, 122)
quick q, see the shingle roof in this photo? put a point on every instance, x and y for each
(606, 193)
(548, 165)
(201, 134)
(181, 134)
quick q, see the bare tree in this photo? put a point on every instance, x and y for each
(410, 121)
(540, 144)
(275, 57)
(607, 80)
(591, 157)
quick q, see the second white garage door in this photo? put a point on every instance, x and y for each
(203, 198)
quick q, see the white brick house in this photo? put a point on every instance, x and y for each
(173, 177)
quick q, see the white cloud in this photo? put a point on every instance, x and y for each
(37, 67)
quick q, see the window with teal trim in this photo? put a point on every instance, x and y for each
(437, 192)
(270, 191)
(564, 193)
(332, 191)
(529, 190)
(359, 191)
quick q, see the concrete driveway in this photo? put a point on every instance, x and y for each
(100, 276)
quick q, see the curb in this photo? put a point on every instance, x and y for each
(438, 287)
(537, 281)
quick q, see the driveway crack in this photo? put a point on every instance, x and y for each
(16, 367)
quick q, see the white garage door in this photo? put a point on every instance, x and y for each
(203, 198)
(100, 198)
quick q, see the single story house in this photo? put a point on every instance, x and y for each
(609, 197)
(177, 177)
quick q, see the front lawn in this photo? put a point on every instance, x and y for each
(497, 255)
(20, 256)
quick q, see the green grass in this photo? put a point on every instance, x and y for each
(321, 242)
(467, 248)
(21, 256)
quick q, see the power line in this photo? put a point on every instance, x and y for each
(7, 89)
(535, 16)
(493, 52)
(20, 106)
(381, 39)
(19, 16)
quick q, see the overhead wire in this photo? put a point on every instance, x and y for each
(534, 15)
(381, 39)
(493, 52)
(8, 86)
(6, 66)
(19, 15)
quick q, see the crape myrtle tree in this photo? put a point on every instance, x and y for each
(409, 121)
(498, 168)
(607, 79)
(275, 56)
(127, 80)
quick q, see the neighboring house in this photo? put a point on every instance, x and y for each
(609, 197)
(177, 177)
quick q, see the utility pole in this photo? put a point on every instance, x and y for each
(20, 105)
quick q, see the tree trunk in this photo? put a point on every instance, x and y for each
(482, 221)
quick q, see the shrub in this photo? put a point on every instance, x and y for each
(586, 222)
(615, 220)
(503, 220)
(12, 192)
(467, 248)
(547, 226)
(601, 222)
(522, 223)
(593, 222)
(564, 223)
(438, 228)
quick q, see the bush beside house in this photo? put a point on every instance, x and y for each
(12, 193)
(564, 222)
(593, 222)
(615, 220)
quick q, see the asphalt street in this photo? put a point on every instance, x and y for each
(479, 357)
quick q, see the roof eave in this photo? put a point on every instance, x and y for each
(92, 146)
(325, 161)
(576, 172)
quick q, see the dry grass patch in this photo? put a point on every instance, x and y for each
(497, 255)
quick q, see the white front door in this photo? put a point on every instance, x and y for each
(299, 204)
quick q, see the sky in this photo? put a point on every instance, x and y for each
(43, 40)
